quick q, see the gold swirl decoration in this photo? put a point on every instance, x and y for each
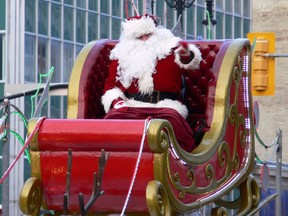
(31, 197)
(157, 199)
(219, 211)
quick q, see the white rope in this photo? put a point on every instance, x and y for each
(136, 166)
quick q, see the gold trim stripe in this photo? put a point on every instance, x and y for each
(74, 82)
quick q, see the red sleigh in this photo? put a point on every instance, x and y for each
(169, 180)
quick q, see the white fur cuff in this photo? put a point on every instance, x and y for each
(192, 65)
(110, 96)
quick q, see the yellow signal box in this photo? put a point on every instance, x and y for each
(263, 65)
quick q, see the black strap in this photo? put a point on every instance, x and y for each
(155, 97)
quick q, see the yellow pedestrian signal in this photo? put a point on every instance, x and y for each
(263, 66)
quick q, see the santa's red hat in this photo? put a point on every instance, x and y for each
(136, 26)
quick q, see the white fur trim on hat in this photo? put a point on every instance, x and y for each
(110, 96)
(135, 28)
(192, 65)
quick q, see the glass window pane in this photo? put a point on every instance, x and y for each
(170, 18)
(116, 8)
(55, 102)
(65, 106)
(219, 5)
(56, 60)
(104, 7)
(93, 5)
(201, 2)
(219, 26)
(42, 56)
(92, 26)
(104, 31)
(228, 5)
(30, 15)
(190, 22)
(246, 27)
(29, 58)
(70, 2)
(27, 107)
(140, 6)
(55, 20)
(68, 60)
(27, 169)
(237, 7)
(160, 13)
(116, 26)
(81, 3)
(237, 27)
(68, 23)
(78, 49)
(2, 14)
(228, 26)
(80, 26)
(200, 26)
(246, 8)
(43, 17)
(2, 56)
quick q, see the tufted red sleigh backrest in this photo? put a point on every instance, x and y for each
(200, 83)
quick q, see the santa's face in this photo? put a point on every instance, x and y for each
(144, 37)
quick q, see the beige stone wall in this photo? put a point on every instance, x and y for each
(272, 16)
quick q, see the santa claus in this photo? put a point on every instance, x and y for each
(145, 75)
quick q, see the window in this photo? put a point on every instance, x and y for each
(68, 23)
(246, 8)
(69, 2)
(92, 26)
(104, 6)
(228, 6)
(43, 17)
(116, 24)
(29, 58)
(55, 20)
(237, 27)
(190, 22)
(200, 17)
(237, 7)
(81, 3)
(30, 15)
(246, 27)
(68, 60)
(55, 102)
(2, 14)
(80, 26)
(2, 55)
(56, 60)
(228, 26)
(219, 5)
(219, 25)
(104, 27)
(116, 8)
(93, 5)
(42, 56)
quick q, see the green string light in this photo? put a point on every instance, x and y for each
(20, 139)
(209, 24)
(39, 85)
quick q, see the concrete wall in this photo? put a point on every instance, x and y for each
(272, 16)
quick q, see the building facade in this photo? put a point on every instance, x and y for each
(36, 35)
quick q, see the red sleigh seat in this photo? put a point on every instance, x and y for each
(168, 180)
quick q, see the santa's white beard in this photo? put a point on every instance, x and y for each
(137, 59)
